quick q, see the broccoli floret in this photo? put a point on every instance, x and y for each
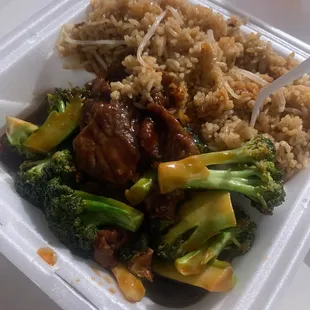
(200, 218)
(29, 182)
(244, 237)
(32, 176)
(61, 123)
(59, 100)
(263, 167)
(264, 192)
(17, 131)
(229, 243)
(65, 107)
(75, 217)
(139, 191)
(62, 165)
(250, 171)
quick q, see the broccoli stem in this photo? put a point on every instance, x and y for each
(223, 181)
(221, 158)
(217, 245)
(243, 175)
(243, 182)
(61, 107)
(138, 192)
(56, 128)
(228, 181)
(175, 174)
(257, 149)
(194, 262)
(94, 219)
(200, 218)
(260, 180)
(191, 172)
(221, 265)
(111, 211)
(178, 230)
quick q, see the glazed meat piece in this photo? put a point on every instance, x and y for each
(163, 206)
(106, 244)
(149, 139)
(140, 264)
(100, 93)
(163, 137)
(172, 96)
(107, 148)
(100, 89)
(116, 71)
(88, 112)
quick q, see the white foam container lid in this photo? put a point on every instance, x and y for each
(29, 67)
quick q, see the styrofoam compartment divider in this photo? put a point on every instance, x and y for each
(29, 67)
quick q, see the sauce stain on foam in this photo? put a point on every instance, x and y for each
(106, 278)
(48, 255)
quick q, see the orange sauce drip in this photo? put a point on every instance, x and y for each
(48, 255)
(98, 273)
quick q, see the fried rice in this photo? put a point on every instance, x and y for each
(218, 67)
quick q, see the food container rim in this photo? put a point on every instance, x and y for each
(29, 34)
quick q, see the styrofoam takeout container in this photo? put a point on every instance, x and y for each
(29, 66)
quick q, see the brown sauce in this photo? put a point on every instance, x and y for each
(96, 271)
(112, 290)
(107, 279)
(48, 255)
